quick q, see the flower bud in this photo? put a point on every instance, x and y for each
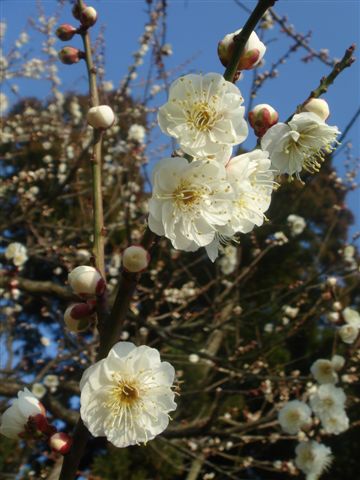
(78, 317)
(76, 10)
(60, 442)
(262, 117)
(135, 259)
(318, 106)
(88, 17)
(252, 54)
(101, 117)
(84, 281)
(65, 32)
(70, 55)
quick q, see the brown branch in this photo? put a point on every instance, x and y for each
(37, 287)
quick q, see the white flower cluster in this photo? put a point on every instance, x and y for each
(213, 197)
(327, 403)
(16, 252)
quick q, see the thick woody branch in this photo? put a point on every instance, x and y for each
(243, 37)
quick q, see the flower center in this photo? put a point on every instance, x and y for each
(187, 196)
(125, 392)
(202, 117)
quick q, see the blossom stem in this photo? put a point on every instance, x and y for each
(243, 37)
(98, 219)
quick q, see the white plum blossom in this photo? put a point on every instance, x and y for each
(252, 182)
(291, 312)
(228, 260)
(293, 416)
(296, 224)
(335, 422)
(300, 144)
(312, 458)
(52, 382)
(127, 396)
(38, 390)
(137, 133)
(16, 252)
(350, 331)
(15, 418)
(4, 103)
(324, 371)
(204, 114)
(351, 316)
(327, 400)
(189, 201)
(338, 362)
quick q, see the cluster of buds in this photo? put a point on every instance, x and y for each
(251, 56)
(262, 117)
(65, 32)
(88, 284)
(26, 418)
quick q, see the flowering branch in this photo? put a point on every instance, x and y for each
(243, 37)
(328, 80)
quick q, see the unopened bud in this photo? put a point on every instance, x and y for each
(338, 362)
(262, 117)
(78, 317)
(60, 442)
(88, 17)
(39, 423)
(70, 55)
(318, 106)
(85, 281)
(135, 259)
(65, 32)
(76, 10)
(101, 117)
(253, 52)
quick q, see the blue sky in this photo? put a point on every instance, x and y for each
(195, 27)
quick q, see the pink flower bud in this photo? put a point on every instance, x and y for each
(70, 55)
(84, 280)
(40, 423)
(76, 319)
(60, 442)
(101, 117)
(76, 10)
(318, 106)
(252, 54)
(88, 17)
(262, 117)
(65, 32)
(135, 259)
